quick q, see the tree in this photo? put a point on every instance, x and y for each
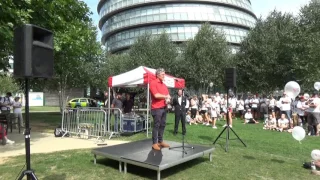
(266, 57)
(307, 62)
(8, 84)
(13, 13)
(75, 47)
(206, 56)
(155, 52)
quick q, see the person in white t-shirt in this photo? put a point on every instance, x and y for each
(214, 107)
(313, 117)
(17, 111)
(248, 117)
(270, 123)
(194, 106)
(240, 105)
(272, 105)
(283, 123)
(217, 97)
(286, 107)
(254, 106)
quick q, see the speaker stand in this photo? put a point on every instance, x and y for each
(183, 146)
(28, 172)
(228, 129)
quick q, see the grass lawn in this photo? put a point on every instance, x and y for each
(43, 109)
(268, 155)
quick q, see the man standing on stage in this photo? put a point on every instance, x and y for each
(181, 104)
(159, 99)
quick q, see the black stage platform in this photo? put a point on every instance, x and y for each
(139, 153)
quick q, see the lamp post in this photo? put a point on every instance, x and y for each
(210, 86)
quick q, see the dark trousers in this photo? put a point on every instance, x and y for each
(180, 116)
(193, 112)
(159, 118)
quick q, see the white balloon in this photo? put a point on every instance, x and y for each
(292, 88)
(306, 96)
(315, 154)
(298, 133)
(317, 85)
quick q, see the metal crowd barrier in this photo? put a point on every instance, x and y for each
(92, 122)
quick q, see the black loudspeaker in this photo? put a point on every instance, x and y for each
(231, 78)
(33, 52)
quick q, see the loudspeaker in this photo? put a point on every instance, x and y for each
(33, 52)
(231, 78)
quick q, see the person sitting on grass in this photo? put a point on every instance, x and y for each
(248, 118)
(270, 123)
(283, 123)
(198, 118)
(5, 138)
(189, 119)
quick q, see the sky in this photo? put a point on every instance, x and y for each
(259, 7)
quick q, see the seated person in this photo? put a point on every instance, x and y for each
(5, 138)
(283, 123)
(270, 123)
(308, 165)
(316, 172)
(189, 119)
(198, 118)
(248, 117)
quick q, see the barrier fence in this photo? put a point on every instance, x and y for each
(100, 122)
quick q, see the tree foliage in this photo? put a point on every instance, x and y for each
(13, 13)
(8, 84)
(307, 61)
(266, 57)
(281, 48)
(206, 56)
(155, 52)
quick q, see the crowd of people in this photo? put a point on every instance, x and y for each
(10, 109)
(278, 113)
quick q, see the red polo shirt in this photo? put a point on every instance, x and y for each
(157, 86)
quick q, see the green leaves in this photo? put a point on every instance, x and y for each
(206, 56)
(267, 54)
(281, 48)
(154, 51)
(8, 84)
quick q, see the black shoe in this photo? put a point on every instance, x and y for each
(184, 134)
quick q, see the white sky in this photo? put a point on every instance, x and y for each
(260, 7)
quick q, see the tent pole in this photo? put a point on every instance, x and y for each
(109, 111)
(148, 107)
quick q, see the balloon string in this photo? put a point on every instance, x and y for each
(300, 142)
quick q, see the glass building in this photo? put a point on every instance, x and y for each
(122, 21)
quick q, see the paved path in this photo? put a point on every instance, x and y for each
(46, 143)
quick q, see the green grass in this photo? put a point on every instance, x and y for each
(268, 155)
(43, 109)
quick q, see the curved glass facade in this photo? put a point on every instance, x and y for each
(121, 25)
(113, 5)
(178, 32)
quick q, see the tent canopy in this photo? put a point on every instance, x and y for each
(141, 76)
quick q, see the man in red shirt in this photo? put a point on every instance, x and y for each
(159, 97)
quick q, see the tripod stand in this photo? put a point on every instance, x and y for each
(28, 172)
(183, 146)
(228, 129)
